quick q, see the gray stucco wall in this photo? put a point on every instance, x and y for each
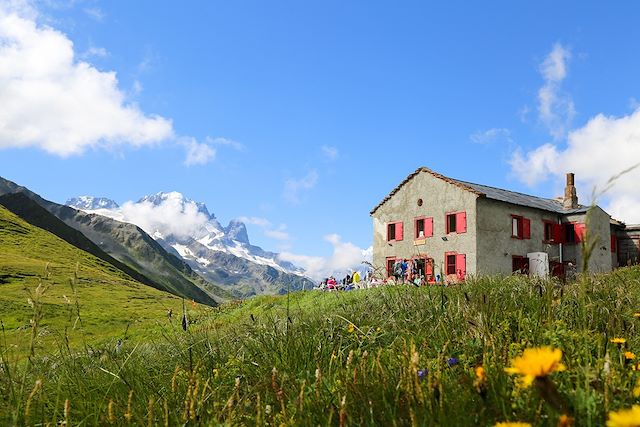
(496, 247)
(600, 229)
(439, 197)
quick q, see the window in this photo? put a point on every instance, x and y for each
(390, 262)
(520, 264)
(419, 228)
(423, 227)
(516, 226)
(520, 227)
(456, 222)
(451, 264)
(614, 242)
(569, 233)
(548, 231)
(394, 231)
(455, 263)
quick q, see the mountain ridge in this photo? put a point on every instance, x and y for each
(221, 254)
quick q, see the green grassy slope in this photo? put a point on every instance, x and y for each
(372, 357)
(132, 246)
(88, 296)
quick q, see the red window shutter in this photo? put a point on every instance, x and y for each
(614, 242)
(428, 227)
(461, 222)
(556, 233)
(526, 228)
(461, 266)
(446, 223)
(429, 267)
(580, 231)
(399, 231)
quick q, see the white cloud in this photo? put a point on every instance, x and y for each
(197, 153)
(345, 258)
(276, 233)
(293, 187)
(330, 152)
(225, 142)
(555, 107)
(598, 151)
(95, 13)
(491, 136)
(93, 51)
(174, 215)
(254, 220)
(54, 102)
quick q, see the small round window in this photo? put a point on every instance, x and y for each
(419, 202)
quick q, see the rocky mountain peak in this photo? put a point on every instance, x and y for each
(236, 230)
(91, 203)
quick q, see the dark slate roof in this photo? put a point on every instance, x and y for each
(493, 193)
(521, 199)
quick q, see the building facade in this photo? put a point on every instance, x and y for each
(453, 229)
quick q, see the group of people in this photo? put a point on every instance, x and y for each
(349, 282)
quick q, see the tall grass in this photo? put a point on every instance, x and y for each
(388, 356)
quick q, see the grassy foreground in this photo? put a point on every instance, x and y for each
(81, 299)
(387, 356)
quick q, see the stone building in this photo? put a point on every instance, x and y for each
(455, 228)
(626, 248)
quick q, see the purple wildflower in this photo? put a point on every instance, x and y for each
(422, 373)
(452, 361)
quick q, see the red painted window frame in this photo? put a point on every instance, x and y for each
(386, 265)
(458, 215)
(446, 262)
(551, 224)
(519, 258)
(415, 226)
(395, 238)
(520, 220)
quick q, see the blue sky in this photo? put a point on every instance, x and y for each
(316, 110)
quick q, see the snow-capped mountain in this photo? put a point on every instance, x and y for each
(91, 203)
(187, 228)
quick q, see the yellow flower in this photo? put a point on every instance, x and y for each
(636, 315)
(536, 362)
(629, 355)
(618, 341)
(351, 328)
(481, 375)
(565, 421)
(512, 424)
(636, 389)
(625, 417)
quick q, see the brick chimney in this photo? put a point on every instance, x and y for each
(570, 200)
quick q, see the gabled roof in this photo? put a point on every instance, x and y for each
(493, 193)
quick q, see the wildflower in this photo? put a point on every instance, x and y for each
(536, 363)
(629, 355)
(422, 373)
(480, 382)
(625, 417)
(351, 328)
(618, 341)
(512, 424)
(565, 421)
(636, 389)
(267, 409)
(452, 361)
(636, 314)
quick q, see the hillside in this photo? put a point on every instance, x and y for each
(395, 355)
(131, 246)
(84, 295)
